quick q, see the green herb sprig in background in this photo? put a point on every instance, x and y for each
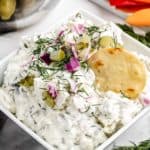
(145, 39)
(144, 145)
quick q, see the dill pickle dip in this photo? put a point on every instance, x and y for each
(49, 86)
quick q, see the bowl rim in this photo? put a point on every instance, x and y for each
(4, 62)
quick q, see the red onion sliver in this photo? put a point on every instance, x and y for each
(52, 91)
(45, 58)
(72, 65)
(86, 56)
(79, 28)
(145, 100)
(74, 51)
(61, 33)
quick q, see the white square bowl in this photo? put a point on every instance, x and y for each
(129, 43)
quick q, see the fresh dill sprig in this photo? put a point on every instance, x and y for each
(41, 44)
(92, 29)
(145, 39)
(82, 90)
(84, 65)
(123, 95)
(25, 45)
(86, 110)
(144, 145)
(78, 15)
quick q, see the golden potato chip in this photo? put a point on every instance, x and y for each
(119, 71)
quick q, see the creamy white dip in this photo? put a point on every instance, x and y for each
(82, 118)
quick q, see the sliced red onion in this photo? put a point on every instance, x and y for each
(74, 51)
(89, 98)
(61, 33)
(32, 58)
(86, 56)
(71, 43)
(145, 101)
(79, 28)
(73, 86)
(46, 58)
(72, 65)
(52, 91)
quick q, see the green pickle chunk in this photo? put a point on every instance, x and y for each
(83, 43)
(108, 42)
(57, 55)
(7, 9)
(48, 99)
(28, 81)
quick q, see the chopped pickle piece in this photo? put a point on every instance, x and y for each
(83, 42)
(81, 45)
(27, 81)
(106, 42)
(57, 55)
(119, 45)
(109, 42)
(7, 9)
(48, 99)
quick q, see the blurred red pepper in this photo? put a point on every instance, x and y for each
(122, 3)
(130, 5)
(132, 9)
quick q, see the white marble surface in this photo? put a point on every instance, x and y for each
(138, 132)
(141, 130)
(64, 8)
